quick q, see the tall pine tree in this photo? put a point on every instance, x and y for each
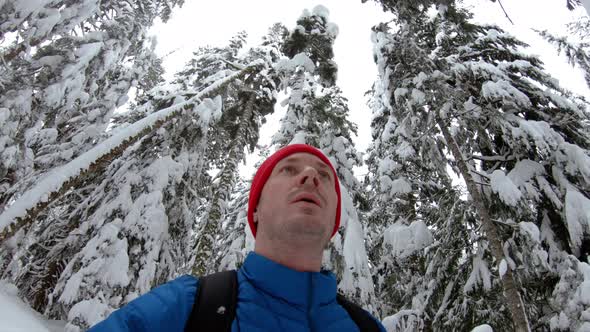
(236, 240)
(246, 104)
(66, 68)
(521, 147)
(124, 227)
(316, 115)
(65, 71)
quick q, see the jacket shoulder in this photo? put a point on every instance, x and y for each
(164, 308)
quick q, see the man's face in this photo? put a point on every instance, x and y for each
(298, 201)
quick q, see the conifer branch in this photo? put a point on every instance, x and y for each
(233, 64)
(492, 158)
(576, 54)
(12, 53)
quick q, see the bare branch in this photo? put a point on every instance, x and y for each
(492, 158)
(505, 13)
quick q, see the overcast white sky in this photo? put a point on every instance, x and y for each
(215, 22)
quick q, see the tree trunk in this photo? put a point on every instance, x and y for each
(511, 294)
(221, 193)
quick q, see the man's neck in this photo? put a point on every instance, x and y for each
(298, 258)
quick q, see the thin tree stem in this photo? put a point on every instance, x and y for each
(505, 13)
(509, 284)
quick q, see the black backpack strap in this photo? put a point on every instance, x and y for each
(362, 319)
(215, 303)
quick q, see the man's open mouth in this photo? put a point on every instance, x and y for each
(309, 198)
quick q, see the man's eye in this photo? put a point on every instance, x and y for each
(325, 175)
(288, 169)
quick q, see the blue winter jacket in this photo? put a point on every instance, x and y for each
(271, 297)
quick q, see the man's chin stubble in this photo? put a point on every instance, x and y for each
(306, 230)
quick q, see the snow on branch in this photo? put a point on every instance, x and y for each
(10, 54)
(25, 209)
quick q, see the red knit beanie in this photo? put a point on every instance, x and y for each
(266, 169)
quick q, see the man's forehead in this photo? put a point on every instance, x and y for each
(303, 157)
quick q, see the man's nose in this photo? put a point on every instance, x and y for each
(309, 176)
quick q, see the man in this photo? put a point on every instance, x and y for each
(293, 211)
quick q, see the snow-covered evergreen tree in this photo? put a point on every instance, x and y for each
(237, 240)
(124, 225)
(246, 104)
(316, 115)
(133, 230)
(410, 194)
(520, 145)
(66, 68)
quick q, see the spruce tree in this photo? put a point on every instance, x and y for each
(245, 108)
(133, 231)
(230, 127)
(129, 232)
(316, 115)
(65, 72)
(412, 202)
(236, 240)
(125, 227)
(521, 147)
(66, 68)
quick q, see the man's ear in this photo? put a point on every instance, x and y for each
(256, 216)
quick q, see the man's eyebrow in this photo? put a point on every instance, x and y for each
(289, 160)
(321, 164)
(293, 159)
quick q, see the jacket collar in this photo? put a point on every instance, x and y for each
(307, 289)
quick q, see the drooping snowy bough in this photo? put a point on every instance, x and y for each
(62, 179)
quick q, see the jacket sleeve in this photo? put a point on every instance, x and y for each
(165, 308)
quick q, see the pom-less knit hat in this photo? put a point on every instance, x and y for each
(266, 169)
